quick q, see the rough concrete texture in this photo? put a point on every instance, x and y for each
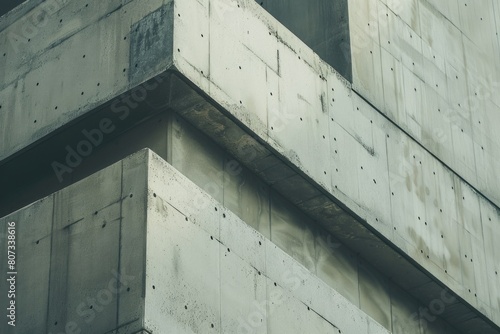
(72, 247)
(344, 266)
(300, 107)
(186, 266)
(67, 64)
(431, 67)
(313, 137)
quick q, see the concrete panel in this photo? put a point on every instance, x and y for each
(447, 8)
(134, 192)
(202, 209)
(182, 273)
(151, 41)
(33, 245)
(367, 70)
(476, 20)
(289, 315)
(433, 217)
(193, 23)
(408, 11)
(468, 211)
(98, 193)
(436, 123)
(373, 177)
(452, 261)
(468, 276)
(407, 189)
(360, 171)
(243, 296)
(413, 88)
(226, 71)
(242, 240)
(93, 253)
(410, 46)
(486, 144)
(306, 124)
(392, 75)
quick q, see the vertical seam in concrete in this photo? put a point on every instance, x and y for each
(389, 184)
(50, 264)
(119, 243)
(145, 227)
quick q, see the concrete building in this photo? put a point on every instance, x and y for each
(233, 166)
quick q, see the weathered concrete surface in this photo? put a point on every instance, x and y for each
(185, 266)
(323, 128)
(76, 59)
(72, 247)
(366, 281)
(312, 129)
(431, 66)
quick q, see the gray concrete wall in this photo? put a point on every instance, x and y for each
(304, 111)
(432, 68)
(185, 266)
(71, 248)
(64, 58)
(307, 242)
(289, 99)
